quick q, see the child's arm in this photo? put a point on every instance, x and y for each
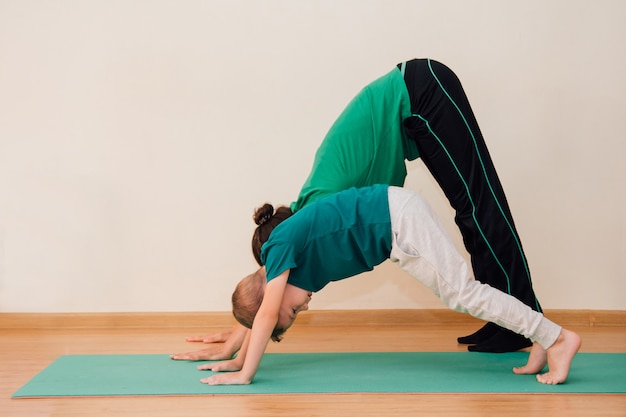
(230, 365)
(262, 328)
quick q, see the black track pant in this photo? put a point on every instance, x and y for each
(451, 145)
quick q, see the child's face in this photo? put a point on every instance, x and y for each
(295, 300)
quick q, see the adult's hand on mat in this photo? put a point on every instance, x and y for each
(213, 353)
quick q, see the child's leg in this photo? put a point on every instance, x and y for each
(423, 249)
(558, 356)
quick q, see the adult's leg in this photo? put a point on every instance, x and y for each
(452, 147)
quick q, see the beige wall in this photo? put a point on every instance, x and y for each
(136, 137)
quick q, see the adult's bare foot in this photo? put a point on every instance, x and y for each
(560, 356)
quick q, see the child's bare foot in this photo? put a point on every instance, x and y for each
(560, 356)
(536, 361)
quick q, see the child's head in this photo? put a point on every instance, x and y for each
(267, 220)
(248, 296)
(247, 299)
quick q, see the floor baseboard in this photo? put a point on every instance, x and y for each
(168, 320)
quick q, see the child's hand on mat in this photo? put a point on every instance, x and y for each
(225, 345)
(223, 366)
(213, 353)
(230, 378)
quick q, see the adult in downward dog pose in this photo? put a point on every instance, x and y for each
(351, 232)
(419, 109)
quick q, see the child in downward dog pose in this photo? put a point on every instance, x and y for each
(351, 232)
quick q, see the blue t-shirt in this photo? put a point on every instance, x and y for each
(333, 238)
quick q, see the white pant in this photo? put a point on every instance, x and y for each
(423, 249)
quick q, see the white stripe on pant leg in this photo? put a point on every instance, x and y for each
(423, 249)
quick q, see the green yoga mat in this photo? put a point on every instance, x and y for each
(312, 373)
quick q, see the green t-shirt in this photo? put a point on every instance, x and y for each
(334, 238)
(366, 145)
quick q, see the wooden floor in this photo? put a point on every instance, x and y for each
(23, 353)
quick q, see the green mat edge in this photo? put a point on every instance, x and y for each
(264, 377)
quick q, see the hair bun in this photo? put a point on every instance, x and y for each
(263, 214)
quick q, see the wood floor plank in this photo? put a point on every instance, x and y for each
(24, 352)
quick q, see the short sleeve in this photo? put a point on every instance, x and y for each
(277, 258)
